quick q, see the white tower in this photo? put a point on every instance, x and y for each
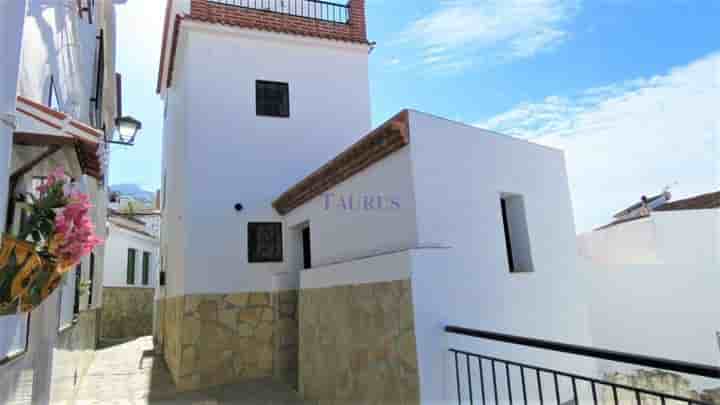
(257, 95)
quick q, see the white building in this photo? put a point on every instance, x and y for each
(130, 279)
(131, 254)
(410, 216)
(655, 280)
(57, 94)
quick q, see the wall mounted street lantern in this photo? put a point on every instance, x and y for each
(127, 128)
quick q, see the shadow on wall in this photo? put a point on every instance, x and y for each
(59, 47)
(19, 389)
(133, 372)
(73, 354)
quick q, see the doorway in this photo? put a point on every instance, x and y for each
(306, 251)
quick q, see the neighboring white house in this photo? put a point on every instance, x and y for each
(57, 95)
(131, 254)
(420, 224)
(655, 280)
(131, 276)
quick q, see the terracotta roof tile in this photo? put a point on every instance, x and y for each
(373, 147)
(86, 138)
(354, 31)
(700, 202)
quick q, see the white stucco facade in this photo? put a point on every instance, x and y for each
(44, 41)
(655, 282)
(447, 237)
(440, 223)
(119, 241)
(218, 152)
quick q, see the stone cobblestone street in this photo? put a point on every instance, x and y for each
(129, 373)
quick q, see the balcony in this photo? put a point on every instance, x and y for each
(312, 9)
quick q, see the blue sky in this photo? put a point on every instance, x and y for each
(629, 89)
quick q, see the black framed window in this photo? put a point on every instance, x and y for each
(272, 99)
(131, 267)
(265, 242)
(146, 268)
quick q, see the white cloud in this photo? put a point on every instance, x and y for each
(460, 30)
(632, 138)
(140, 25)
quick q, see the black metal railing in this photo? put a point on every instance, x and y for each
(485, 379)
(313, 9)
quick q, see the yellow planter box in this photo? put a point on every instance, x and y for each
(26, 279)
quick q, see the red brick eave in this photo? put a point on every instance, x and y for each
(388, 138)
(89, 161)
(43, 108)
(86, 128)
(176, 35)
(166, 27)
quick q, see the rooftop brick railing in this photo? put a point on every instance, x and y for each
(315, 18)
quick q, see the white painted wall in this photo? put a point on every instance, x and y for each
(376, 269)
(655, 286)
(339, 234)
(11, 31)
(453, 186)
(39, 38)
(116, 257)
(175, 164)
(219, 153)
(12, 328)
(459, 173)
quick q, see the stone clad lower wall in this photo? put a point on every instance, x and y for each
(655, 380)
(357, 343)
(286, 337)
(126, 312)
(172, 309)
(214, 339)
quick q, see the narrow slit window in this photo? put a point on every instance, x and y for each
(515, 230)
(131, 267)
(78, 280)
(272, 99)
(92, 278)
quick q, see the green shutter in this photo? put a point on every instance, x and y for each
(146, 268)
(131, 267)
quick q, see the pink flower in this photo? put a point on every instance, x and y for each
(75, 229)
(58, 174)
(42, 188)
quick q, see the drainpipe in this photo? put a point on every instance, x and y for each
(12, 19)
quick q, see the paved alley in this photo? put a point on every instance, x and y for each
(129, 373)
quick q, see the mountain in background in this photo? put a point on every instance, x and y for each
(133, 190)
